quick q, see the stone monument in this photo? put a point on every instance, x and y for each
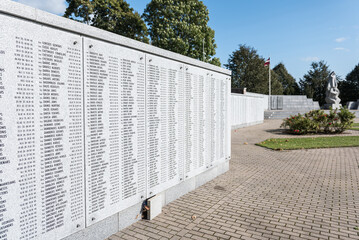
(332, 93)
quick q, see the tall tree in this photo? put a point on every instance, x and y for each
(248, 71)
(181, 26)
(349, 88)
(112, 15)
(290, 86)
(314, 82)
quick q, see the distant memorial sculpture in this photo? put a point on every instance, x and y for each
(332, 93)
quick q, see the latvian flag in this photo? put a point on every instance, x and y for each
(267, 62)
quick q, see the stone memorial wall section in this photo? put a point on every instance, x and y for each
(115, 128)
(220, 119)
(42, 193)
(92, 123)
(229, 117)
(214, 119)
(197, 99)
(165, 108)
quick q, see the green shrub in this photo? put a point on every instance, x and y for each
(317, 121)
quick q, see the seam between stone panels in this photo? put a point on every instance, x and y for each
(84, 126)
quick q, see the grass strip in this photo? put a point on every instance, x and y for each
(310, 142)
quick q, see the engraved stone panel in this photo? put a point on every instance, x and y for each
(214, 119)
(197, 119)
(41, 132)
(225, 116)
(220, 122)
(222, 117)
(208, 108)
(115, 128)
(165, 123)
(228, 121)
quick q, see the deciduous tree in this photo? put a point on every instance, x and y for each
(112, 15)
(182, 27)
(248, 71)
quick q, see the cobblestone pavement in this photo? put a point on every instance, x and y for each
(301, 194)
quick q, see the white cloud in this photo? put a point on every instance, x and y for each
(341, 49)
(310, 59)
(341, 39)
(52, 6)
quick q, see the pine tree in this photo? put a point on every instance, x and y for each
(314, 82)
(290, 86)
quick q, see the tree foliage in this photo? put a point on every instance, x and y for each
(111, 15)
(248, 71)
(349, 88)
(314, 82)
(276, 85)
(181, 26)
(290, 86)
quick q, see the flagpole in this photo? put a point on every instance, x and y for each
(269, 88)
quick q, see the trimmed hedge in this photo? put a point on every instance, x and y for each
(317, 121)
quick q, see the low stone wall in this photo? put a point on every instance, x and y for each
(246, 110)
(293, 103)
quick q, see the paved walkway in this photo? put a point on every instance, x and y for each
(301, 194)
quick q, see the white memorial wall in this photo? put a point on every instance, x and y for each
(89, 128)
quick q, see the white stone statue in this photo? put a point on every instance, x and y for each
(332, 92)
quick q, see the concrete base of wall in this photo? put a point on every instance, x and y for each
(246, 124)
(98, 231)
(125, 218)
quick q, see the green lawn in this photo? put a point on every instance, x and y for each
(355, 126)
(310, 142)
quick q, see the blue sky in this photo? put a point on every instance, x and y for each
(293, 32)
